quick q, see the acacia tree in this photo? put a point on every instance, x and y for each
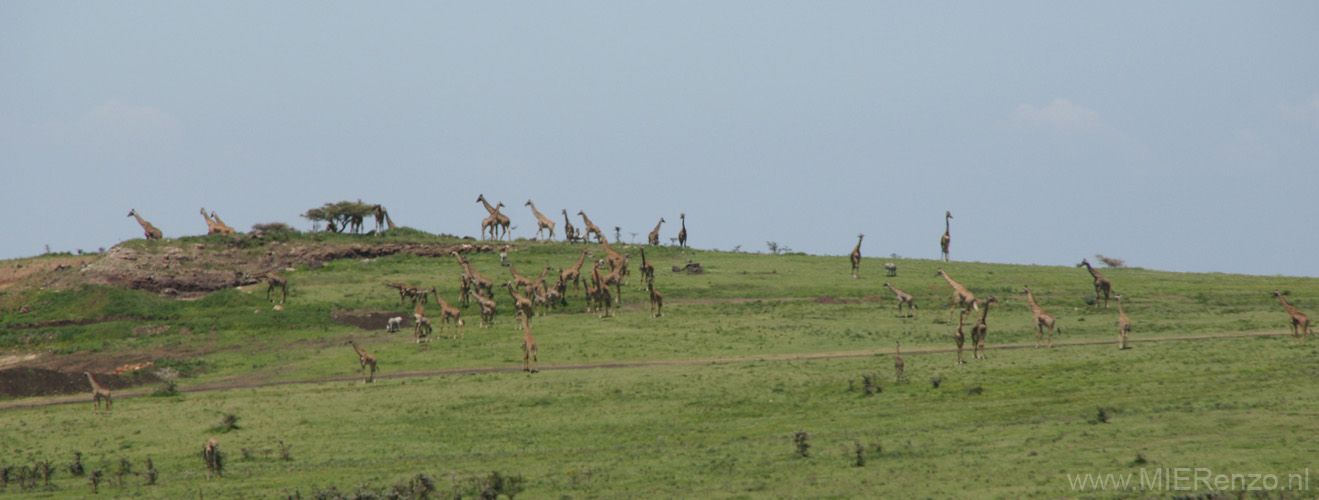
(341, 216)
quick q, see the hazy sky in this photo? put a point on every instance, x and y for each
(1179, 136)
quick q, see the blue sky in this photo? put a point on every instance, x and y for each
(1180, 136)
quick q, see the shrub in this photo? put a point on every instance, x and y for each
(802, 440)
(75, 467)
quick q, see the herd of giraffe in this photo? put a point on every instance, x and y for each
(535, 295)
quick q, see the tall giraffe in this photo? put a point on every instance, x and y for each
(898, 364)
(570, 233)
(518, 279)
(1299, 321)
(943, 242)
(1123, 325)
(487, 308)
(856, 256)
(224, 228)
(542, 222)
(590, 226)
(653, 237)
(521, 305)
(682, 234)
(150, 231)
(647, 269)
(961, 296)
(366, 359)
(1101, 283)
(479, 281)
(498, 218)
(1042, 319)
(98, 393)
(903, 298)
(211, 226)
(275, 280)
(529, 351)
(574, 272)
(656, 300)
(980, 331)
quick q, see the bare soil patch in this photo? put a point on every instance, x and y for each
(27, 381)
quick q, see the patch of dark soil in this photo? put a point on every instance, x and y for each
(71, 322)
(24, 382)
(368, 319)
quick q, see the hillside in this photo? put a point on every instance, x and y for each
(753, 332)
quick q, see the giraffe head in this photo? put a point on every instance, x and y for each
(948, 215)
(480, 198)
(132, 212)
(1277, 294)
(1025, 289)
(939, 272)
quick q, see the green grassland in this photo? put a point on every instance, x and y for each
(700, 403)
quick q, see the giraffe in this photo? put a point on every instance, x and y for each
(150, 231)
(273, 280)
(590, 226)
(898, 364)
(959, 336)
(521, 305)
(1042, 319)
(904, 298)
(487, 309)
(980, 331)
(500, 220)
(1123, 325)
(647, 269)
(224, 228)
(943, 242)
(448, 313)
(615, 278)
(1101, 283)
(382, 217)
(366, 359)
(542, 222)
(479, 281)
(616, 260)
(464, 286)
(961, 296)
(682, 235)
(1299, 321)
(653, 237)
(98, 393)
(856, 256)
(214, 460)
(404, 291)
(656, 300)
(574, 272)
(539, 293)
(211, 226)
(599, 293)
(423, 324)
(529, 353)
(570, 233)
(518, 279)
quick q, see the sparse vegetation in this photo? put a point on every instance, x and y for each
(1111, 261)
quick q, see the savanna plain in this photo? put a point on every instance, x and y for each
(766, 376)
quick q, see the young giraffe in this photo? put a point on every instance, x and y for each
(570, 233)
(529, 351)
(653, 237)
(961, 296)
(590, 226)
(521, 305)
(615, 278)
(1299, 321)
(500, 220)
(1123, 325)
(980, 331)
(903, 298)
(211, 455)
(1042, 319)
(1101, 283)
(959, 336)
(856, 257)
(518, 279)
(898, 364)
(366, 359)
(647, 269)
(422, 329)
(404, 291)
(487, 309)
(150, 231)
(682, 235)
(656, 300)
(943, 242)
(98, 393)
(542, 222)
(449, 313)
(275, 280)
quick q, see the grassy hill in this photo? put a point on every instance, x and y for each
(701, 402)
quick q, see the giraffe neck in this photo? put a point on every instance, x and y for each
(489, 208)
(1119, 308)
(359, 350)
(1035, 307)
(954, 284)
(984, 313)
(946, 226)
(858, 246)
(657, 226)
(95, 386)
(1092, 270)
(580, 260)
(141, 221)
(1285, 305)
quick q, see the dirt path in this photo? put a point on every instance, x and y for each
(228, 385)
